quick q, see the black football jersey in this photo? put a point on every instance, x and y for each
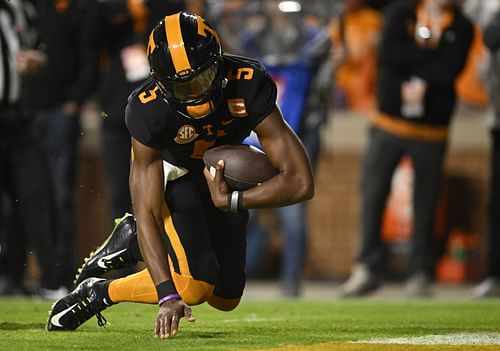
(249, 96)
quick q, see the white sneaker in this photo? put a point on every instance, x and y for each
(489, 287)
(419, 285)
(53, 294)
(361, 282)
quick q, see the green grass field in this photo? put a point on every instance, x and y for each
(269, 324)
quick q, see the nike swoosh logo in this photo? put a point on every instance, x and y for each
(101, 263)
(55, 318)
(225, 123)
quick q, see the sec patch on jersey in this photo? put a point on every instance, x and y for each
(244, 166)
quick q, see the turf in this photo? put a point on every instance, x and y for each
(253, 325)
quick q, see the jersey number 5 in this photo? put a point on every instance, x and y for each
(147, 96)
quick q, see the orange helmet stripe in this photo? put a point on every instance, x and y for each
(176, 43)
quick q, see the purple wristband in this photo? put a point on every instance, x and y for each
(169, 297)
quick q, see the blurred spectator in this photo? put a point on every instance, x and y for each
(480, 11)
(471, 89)
(490, 286)
(229, 16)
(423, 48)
(124, 25)
(355, 37)
(26, 218)
(54, 95)
(296, 56)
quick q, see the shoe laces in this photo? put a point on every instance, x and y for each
(96, 309)
(89, 307)
(101, 321)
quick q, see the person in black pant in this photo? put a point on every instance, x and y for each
(68, 34)
(12, 249)
(423, 48)
(23, 173)
(490, 286)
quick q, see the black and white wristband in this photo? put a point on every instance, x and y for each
(235, 201)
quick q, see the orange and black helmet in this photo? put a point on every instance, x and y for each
(185, 58)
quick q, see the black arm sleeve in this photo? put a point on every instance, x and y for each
(136, 126)
(263, 102)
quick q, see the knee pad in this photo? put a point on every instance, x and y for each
(223, 304)
(193, 292)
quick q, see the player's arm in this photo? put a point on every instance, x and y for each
(146, 187)
(147, 191)
(294, 182)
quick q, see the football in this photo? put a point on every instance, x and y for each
(244, 166)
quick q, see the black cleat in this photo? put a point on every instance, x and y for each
(77, 307)
(114, 253)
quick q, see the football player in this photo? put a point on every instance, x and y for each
(188, 228)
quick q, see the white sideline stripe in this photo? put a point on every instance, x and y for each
(251, 318)
(447, 339)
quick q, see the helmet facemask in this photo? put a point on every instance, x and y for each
(190, 97)
(186, 58)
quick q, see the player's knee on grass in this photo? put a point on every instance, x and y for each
(193, 292)
(222, 303)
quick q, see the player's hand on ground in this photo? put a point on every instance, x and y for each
(169, 315)
(217, 185)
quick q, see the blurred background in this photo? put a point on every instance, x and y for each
(345, 44)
